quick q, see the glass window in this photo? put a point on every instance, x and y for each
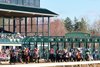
(26, 2)
(33, 3)
(1, 0)
(7, 1)
(20, 2)
(37, 3)
(14, 1)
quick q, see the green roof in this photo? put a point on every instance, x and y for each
(9, 10)
(77, 35)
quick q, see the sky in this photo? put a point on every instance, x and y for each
(89, 9)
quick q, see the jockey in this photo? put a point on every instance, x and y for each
(78, 55)
(36, 54)
(36, 51)
(52, 54)
(51, 51)
(26, 55)
(95, 55)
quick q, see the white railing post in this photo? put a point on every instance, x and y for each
(87, 65)
(72, 65)
(80, 65)
(63, 65)
(94, 65)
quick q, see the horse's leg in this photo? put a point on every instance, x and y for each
(25, 59)
(38, 59)
(35, 59)
(51, 58)
(28, 58)
(20, 59)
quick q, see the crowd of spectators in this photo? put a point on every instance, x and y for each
(11, 37)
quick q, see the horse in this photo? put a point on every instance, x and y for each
(26, 54)
(36, 55)
(66, 56)
(52, 55)
(88, 57)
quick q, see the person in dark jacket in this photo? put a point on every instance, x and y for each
(12, 57)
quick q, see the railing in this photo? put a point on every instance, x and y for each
(62, 64)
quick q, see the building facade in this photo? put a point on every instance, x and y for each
(19, 26)
(25, 17)
(33, 3)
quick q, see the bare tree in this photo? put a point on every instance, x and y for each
(57, 28)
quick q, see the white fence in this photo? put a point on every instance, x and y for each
(63, 64)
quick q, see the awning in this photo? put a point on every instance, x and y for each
(8, 10)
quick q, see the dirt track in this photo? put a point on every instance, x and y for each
(91, 65)
(97, 65)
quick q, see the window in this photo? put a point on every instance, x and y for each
(1, 1)
(25, 2)
(14, 1)
(7, 1)
(33, 3)
(20, 2)
(37, 3)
